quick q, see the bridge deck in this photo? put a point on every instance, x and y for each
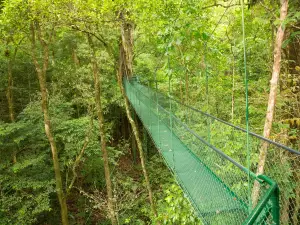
(209, 195)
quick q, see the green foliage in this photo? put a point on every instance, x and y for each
(26, 187)
(175, 208)
(176, 40)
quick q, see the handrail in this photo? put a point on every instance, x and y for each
(222, 154)
(232, 125)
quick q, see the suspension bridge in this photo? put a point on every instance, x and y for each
(218, 186)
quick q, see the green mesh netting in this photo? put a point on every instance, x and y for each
(216, 185)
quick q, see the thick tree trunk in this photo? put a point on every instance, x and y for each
(272, 97)
(97, 87)
(41, 73)
(125, 69)
(127, 46)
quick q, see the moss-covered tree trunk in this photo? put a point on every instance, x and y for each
(41, 73)
(97, 87)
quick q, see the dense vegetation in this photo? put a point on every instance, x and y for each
(71, 149)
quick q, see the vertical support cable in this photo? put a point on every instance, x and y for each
(170, 113)
(157, 110)
(133, 142)
(247, 106)
(207, 93)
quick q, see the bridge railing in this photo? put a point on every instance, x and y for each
(232, 140)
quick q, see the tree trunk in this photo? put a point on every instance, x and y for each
(97, 87)
(284, 215)
(125, 69)
(296, 215)
(138, 140)
(9, 93)
(133, 141)
(41, 73)
(272, 98)
(75, 57)
(127, 46)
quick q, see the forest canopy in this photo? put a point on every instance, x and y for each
(72, 148)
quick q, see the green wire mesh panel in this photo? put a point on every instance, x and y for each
(282, 163)
(218, 187)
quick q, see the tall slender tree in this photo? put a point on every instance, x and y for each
(272, 95)
(97, 87)
(41, 69)
(124, 72)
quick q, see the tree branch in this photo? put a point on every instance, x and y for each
(98, 37)
(78, 158)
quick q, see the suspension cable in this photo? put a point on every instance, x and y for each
(247, 105)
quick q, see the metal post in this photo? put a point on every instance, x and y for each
(275, 206)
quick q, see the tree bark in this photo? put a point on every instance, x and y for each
(127, 46)
(272, 98)
(41, 73)
(97, 87)
(125, 69)
(133, 140)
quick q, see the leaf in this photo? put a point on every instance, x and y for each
(205, 36)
